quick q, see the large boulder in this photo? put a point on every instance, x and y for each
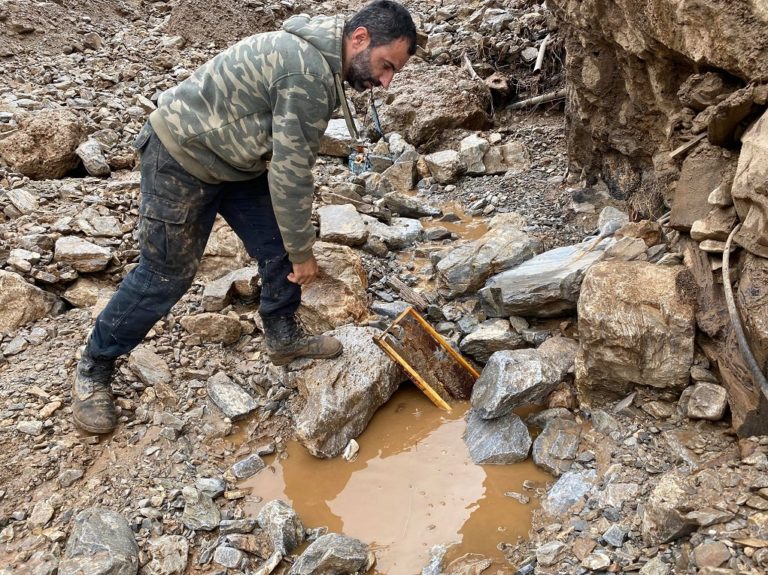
(342, 394)
(338, 295)
(101, 543)
(636, 327)
(43, 147)
(467, 267)
(425, 100)
(750, 189)
(21, 302)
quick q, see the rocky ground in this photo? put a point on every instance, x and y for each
(655, 483)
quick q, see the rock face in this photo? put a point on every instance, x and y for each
(502, 440)
(750, 189)
(636, 327)
(342, 394)
(337, 296)
(101, 543)
(44, 145)
(21, 302)
(454, 101)
(626, 60)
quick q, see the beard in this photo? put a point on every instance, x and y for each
(359, 72)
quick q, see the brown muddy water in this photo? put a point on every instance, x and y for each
(467, 227)
(412, 486)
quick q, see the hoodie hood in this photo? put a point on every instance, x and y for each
(323, 32)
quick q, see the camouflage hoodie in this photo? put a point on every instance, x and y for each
(267, 98)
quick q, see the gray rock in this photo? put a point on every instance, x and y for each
(570, 488)
(41, 515)
(615, 535)
(364, 379)
(229, 397)
(23, 200)
(400, 234)
(169, 553)
(333, 554)
(472, 149)
(283, 525)
(341, 224)
(546, 285)
(228, 557)
(92, 223)
(211, 486)
(445, 166)
(149, 367)
(491, 336)
(549, 553)
(200, 512)
(248, 467)
(656, 566)
(399, 178)
(243, 282)
(92, 156)
(510, 157)
(81, 254)
(101, 543)
(409, 207)
(30, 427)
(389, 309)
(499, 441)
(557, 446)
(337, 141)
(665, 517)
(68, 476)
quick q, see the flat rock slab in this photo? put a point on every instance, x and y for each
(21, 302)
(229, 397)
(342, 394)
(341, 224)
(568, 490)
(81, 254)
(333, 553)
(501, 441)
(101, 543)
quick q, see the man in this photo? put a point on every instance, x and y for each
(206, 149)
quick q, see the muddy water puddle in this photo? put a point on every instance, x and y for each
(412, 486)
(466, 227)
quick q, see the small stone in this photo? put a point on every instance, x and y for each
(248, 467)
(228, 557)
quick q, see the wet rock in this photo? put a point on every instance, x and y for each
(243, 282)
(248, 467)
(333, 553)
(341, 224)
(338, 295)
(400, 234)
(43, 146)
(504, 246)
(363, 379)
(229, 397)
(213, 327)
(149, 367)
(81, 254)
(704, 401)
(101, 543)
(445, 166)
(91, 154)
(169, 555)
(518, 377)
(200, 512)
(491, 336)
(623, 344)
(546, 285)
(568, 490)
(283, 525)
(21, 302)
(499, 441)
(557, 445)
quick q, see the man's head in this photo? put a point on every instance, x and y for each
(378, 40)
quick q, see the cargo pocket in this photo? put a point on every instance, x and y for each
(168, 243)
(142, 137)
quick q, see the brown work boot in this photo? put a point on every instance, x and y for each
(286, 341)
(93, 407)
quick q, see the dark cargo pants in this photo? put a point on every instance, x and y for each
(177, 212)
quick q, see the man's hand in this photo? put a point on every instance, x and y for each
(304, 273)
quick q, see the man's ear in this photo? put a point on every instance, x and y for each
(360, 37)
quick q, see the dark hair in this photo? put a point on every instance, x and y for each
(386, 21)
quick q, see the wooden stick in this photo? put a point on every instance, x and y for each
(540, 55)
(413, 297)
(552, 96)
(687, 146)
(271, 564)
(470, 69)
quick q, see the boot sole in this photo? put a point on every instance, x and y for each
(285, 360)
(90, 428)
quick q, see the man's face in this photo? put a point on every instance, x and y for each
(371, 67)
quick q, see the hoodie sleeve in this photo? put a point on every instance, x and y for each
(301, 108)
